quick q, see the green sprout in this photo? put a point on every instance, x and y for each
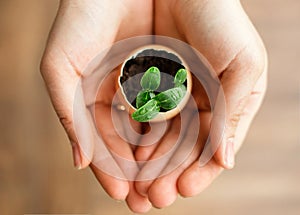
(149, 104)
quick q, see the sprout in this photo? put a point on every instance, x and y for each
(149, 104)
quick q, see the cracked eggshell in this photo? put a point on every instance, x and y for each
(162, 115)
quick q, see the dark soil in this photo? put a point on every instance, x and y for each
(164, 61)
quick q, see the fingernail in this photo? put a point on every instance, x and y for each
(76, 156)
(229, 153)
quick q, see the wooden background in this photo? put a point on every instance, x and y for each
(36, 173)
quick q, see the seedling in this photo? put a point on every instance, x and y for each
(149, 103)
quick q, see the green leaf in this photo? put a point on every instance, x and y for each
(180, 77)
(170, 98)
(143, 97)
(183, 88)
(147, 112)
(151, 79)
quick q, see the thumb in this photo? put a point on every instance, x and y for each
(62, 88)
(237, 82)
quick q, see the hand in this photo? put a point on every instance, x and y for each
(81, 30)
(222, 32)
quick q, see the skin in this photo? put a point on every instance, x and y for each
(221, 31)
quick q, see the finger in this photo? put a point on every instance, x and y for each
(116, 188)
(114, 167)
(253, 104)
(119, 148)
(108, 133)
(136, 202)
(118, 145)
(163, 191)
(168, 182)
(62, 89)
(195, 178)
(150, 140)
(143, 153)
(170, 145)
(109, 166)
(238, 82)
(152, 170)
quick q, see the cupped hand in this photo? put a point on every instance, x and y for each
(81, 30)
(223, 33)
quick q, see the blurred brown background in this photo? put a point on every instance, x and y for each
(36, 173)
